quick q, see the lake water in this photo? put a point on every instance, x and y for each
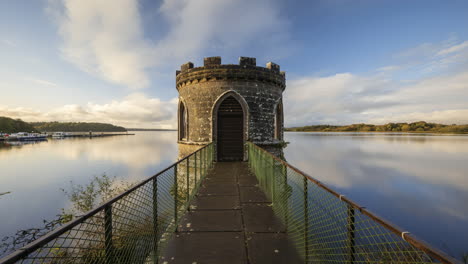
(418, 182)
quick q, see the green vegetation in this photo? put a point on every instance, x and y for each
(76, 127)
(420, 126)
(9, 125)
(86, 197)
(3, 193)
(82, 197)
(150, 129)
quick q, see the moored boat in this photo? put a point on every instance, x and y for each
(58, 135)
(24, 136)
(3, 136)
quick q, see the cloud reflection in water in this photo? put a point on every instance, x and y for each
(419, 182)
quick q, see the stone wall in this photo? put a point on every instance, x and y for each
(259, 89)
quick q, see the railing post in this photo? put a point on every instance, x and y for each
(208, 165)
(255, 163)
(351, 230)
(263, 170)
(273, 180)
(195, 168)
(306, 222)
(202, 161)
(176, 199)
(284, 170)
(211, 156)
(155, 219)
(201, 165)
(188, 180)
(109, 248)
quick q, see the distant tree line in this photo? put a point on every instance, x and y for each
(76, 127)
(420, 126)
(10, 125)
(150, 129)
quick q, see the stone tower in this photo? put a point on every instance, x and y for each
(229, 105)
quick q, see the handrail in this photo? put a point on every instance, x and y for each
(410, 238)
(54, 234)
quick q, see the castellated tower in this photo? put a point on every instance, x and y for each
(229, 105)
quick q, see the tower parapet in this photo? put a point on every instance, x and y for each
(245, 70)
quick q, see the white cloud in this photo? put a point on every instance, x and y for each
(339, 98)
(224, 24)
(44, 82)
(8, 42)
(430, 58)
(112, 44)
(454, 48)
(135, 110)
(346, 98)
(105, 38)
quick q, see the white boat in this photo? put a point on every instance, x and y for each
(60, 134)
(24, 136)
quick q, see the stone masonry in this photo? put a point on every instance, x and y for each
(258, 89)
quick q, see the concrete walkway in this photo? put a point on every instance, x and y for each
(230, 221)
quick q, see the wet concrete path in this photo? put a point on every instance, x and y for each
(230, 221)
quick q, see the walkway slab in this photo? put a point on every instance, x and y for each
(230, 221)
(221, 220)
(218, 189)
(271, 248)
(215, 203)
(252, 194)
(248, 181)
(209, 180)
(261, 218)
(206, 247)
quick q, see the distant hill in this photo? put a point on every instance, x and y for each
(150, 129)
(76, 127)
(420, 126)
(10, 125)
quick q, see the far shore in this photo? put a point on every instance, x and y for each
(384, 132)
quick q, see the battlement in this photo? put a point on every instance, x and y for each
(247, 69)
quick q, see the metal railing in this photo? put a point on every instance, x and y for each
(133, 227)
(328, 227)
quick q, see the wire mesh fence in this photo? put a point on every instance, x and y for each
(130, 228)
(327, 227)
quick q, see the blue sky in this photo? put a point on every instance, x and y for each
(347, 61)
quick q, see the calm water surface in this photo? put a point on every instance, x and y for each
(419, 182)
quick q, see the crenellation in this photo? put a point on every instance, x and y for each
(186, 66)
(211, 61)
(273, 66)
(247, 61)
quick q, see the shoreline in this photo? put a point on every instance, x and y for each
(389, 132)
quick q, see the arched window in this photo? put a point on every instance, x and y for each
(183, 131)
(279, 121)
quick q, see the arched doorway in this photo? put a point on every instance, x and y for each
(230, 130)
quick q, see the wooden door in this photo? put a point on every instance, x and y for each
(230, 141)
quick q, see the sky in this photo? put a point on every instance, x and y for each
(346, 61)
